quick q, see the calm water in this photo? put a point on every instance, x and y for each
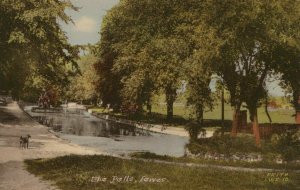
(82, 128)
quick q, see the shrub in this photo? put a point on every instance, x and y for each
(193, 129)
(287, 144)
(223, 145)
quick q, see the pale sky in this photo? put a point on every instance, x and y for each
(88, 23)
(87, 20)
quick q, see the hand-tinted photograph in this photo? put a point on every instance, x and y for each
(149, 94)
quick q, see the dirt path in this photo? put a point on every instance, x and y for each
(13, 124)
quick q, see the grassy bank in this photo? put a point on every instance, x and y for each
(260, 164)
(79, 172)
(285, 145)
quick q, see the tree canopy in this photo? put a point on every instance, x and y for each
(145, 46)
(150, 47)
(83, 85)
(255, 39)
(33, 45)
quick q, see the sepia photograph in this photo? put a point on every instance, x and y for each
(149, 94)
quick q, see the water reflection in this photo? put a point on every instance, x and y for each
(81, 128)
(88, 126)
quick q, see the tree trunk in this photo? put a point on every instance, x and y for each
(296, 102)
(149, 108)
(296, 99)
(255, 125)
(139, 108)
(222, 112)
(170, 98)
(235, 121)
(170, 109)
(266, 110)
(199, 114)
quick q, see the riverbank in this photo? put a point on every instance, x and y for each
(43, 144)
(156, 128)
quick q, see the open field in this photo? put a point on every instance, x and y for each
(105, 172)
(182, 113)
(278, 116)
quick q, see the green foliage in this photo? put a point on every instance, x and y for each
(290, 74)
(253, 41)
(287, 144)
(83, 85)
(33, 44)
(198, 90)
(145, 53)
(194, 130)
(223, 145)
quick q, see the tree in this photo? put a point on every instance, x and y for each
(140, 47)
(83, 85)
(251, 35)
(167, 57)
(33, 44)
(199, 93)
(290, 74)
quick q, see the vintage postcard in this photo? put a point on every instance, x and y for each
(149, 94)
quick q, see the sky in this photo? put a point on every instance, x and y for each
(87, 24)
(87, 20)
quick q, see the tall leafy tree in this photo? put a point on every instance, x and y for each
(32, 42)
(140, 47)
(290, 73)
(252, 35)
(199, 93)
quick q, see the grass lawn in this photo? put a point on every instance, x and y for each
(105, 172)
(261, 164)
(183, 113)
(278, 116)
